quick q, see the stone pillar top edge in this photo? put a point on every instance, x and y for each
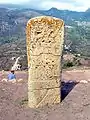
(47, 18)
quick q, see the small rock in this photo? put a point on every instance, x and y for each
(4, 80)
(88, 80)
(83, 81)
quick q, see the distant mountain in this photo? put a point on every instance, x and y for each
(13, 20)
(66, 15)
(88, 10)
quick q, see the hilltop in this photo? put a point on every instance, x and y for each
(76, 103)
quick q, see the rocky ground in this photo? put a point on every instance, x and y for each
(75, 103)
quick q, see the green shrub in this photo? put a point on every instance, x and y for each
(68, 64)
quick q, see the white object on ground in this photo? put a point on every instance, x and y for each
(83, 81)
(4, 80)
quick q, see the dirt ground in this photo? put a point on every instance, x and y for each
(75, 103)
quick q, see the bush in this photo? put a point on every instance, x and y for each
(68, 64)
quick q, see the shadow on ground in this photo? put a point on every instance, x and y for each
(66, 88)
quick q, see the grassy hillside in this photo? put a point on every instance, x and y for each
(13, 39)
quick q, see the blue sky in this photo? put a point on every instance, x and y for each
(76, 5)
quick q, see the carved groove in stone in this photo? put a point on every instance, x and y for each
(44, 51)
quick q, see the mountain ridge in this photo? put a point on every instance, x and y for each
(23, 6)
(88, 10)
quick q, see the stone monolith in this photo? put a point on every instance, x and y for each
(44, 50)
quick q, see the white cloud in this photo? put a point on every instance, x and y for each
(77, 5)
(57, 5)
(85, 3)
(13, 1)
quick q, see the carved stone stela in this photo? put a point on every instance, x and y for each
(44, 50)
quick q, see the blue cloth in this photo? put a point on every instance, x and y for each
(11, 76)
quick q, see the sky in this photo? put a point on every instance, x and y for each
(74, 5)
